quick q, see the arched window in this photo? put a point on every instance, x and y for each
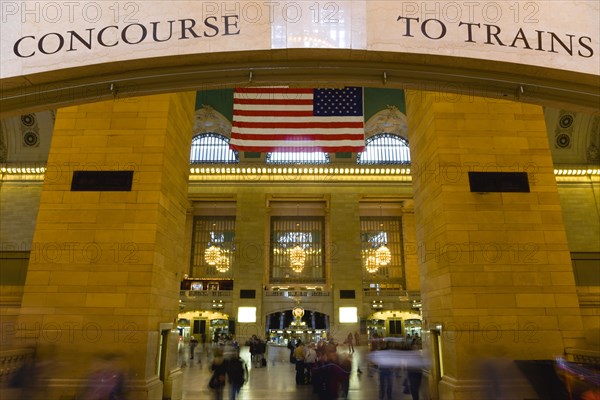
(212, 148)
(385, 148)
(297, 158)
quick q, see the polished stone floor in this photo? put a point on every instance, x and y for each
(277, 381)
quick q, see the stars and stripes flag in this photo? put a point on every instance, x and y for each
(298, 120)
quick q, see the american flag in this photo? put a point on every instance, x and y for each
(298, 120)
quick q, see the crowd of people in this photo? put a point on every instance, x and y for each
(320, 365)
(324, 365)
(392, 357)
(232, 370)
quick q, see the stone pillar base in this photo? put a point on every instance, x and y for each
(494, 387)
(58, 389)
(151, 389)
(173, 389)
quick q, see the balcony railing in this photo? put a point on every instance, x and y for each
(11, 361)
(584, 356)
(376, 293)
(205, 293)
(297, 293)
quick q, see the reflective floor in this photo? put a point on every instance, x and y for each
(277, 381)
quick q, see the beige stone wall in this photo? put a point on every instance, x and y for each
(576, 203)
(109, 280)
(251, 220)
(411, 249)
(19, 204)
(342, 242)
(580, 204)
(496, 274)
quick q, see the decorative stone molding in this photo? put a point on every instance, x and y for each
(209, 120)
(593, 151)
(390, 120)
(3, 143)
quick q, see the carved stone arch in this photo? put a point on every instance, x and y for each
(209, 120)
(593, 143)
(10, 139)
(3, 142)
(390, 120)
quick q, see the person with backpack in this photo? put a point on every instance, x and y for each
(237, 372)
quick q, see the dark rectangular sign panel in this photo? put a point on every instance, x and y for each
(499, 182)
(247, 294)
(102, 181)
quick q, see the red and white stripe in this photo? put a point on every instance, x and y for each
(281, 119)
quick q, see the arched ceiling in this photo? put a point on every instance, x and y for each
(300, 67)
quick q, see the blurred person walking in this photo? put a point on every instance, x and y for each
(310, 358)
(193, 345)
(237, 372)
(299, 355)
(107, 380)
(350, 341)
(217, 379)
(386, 375)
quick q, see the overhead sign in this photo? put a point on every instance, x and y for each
(40, 36)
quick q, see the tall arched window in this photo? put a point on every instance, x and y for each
(385, 148)
(212, 148)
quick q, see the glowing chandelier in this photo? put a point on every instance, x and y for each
(371, 264)
(212, 255)
(383, 255)
(379, 257)
(222, 264)
(297, 255)
(297, 258)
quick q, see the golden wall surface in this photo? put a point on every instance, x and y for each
(105, 278)
(497, 280)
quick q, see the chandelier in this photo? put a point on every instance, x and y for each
(222, 264)
(379, 257)
(212, 255)
(383, 255)
(371, 264)
(297, 258)
(297, 254)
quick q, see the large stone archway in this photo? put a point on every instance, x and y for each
(463, 291)
(60, 54)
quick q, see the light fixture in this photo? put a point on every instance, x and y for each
(377, 304)
(297, 253)
(212, 255)
(383, 255)
(371, 264)
(297, 258)
(222, 263)
(379, 257)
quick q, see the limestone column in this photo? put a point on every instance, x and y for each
(496, 274)
(105, 266)
(343, 251)
(411, 267)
